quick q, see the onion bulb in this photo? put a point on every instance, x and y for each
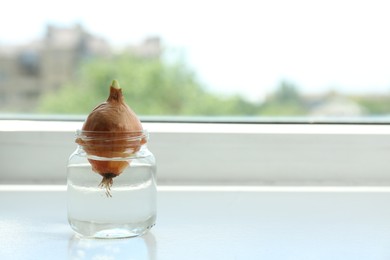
(111, 133)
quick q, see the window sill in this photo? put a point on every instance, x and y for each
(234, 223)
(215, 154)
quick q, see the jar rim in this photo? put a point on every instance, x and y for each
(112, 135)
(110, 132)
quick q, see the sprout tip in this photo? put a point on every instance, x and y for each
(115, 84)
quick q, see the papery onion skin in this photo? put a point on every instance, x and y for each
(114, 115)
(111, 131)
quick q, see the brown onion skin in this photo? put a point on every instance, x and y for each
(112, 120)
(114, 115)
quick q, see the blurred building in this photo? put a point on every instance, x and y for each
(334, 105)
(29, 70)
(45, 65)
(149, 48)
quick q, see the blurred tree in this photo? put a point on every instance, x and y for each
(285, 101)
(374, 104)
(151, 87)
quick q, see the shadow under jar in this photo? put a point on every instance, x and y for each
(111, 185)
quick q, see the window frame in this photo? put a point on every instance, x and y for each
(215, 153)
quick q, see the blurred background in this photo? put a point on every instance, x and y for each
(237, 59)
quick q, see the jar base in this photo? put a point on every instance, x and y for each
(110, 230)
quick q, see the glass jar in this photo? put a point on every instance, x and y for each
(111, 185)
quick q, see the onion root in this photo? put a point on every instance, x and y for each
(107, 182)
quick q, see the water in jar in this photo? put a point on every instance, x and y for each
(130, 211)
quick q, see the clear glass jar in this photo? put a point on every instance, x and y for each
(111, 185)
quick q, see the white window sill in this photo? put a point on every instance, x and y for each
(194, 223)
(215, 154)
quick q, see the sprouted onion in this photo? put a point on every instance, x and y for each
(111, 130)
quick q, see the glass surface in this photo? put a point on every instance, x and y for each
(257, 59)
(140, 248)
(124, 208)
